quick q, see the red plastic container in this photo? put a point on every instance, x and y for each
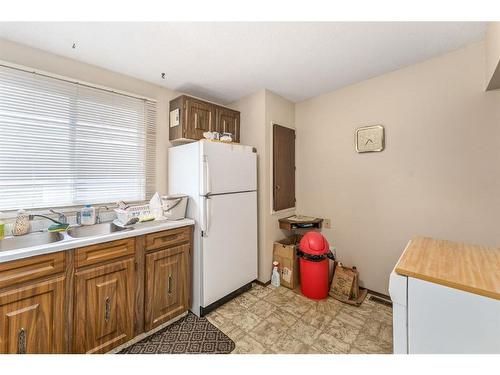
(314, 252)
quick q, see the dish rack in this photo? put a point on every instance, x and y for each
(125, 215)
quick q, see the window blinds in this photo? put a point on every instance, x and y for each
(65, 144)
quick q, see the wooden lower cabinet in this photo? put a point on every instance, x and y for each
(95, 298)
(31, 318)
(167, 285)
(104, 307)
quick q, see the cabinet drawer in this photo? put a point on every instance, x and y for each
(32, 268)
(104, 252)
(167, 238)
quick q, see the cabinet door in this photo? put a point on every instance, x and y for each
(31, 318)
(283, 168)
(166, 285)
(199, 118)
(104, 307)
(228, 121)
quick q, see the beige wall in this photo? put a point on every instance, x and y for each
(41, 60)
(439, 175)
(258, 112)
(253, 117)
(282, 112)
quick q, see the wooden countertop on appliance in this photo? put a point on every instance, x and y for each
(472, 268)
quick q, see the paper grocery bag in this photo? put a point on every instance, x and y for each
(345, 286)
(342, 283)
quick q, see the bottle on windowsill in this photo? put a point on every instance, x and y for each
(88, 215)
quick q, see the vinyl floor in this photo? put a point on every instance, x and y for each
(282, 321)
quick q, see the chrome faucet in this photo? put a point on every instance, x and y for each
(98, 214)
(32, 216)
(61, 217)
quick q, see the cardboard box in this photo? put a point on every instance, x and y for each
(285, 253)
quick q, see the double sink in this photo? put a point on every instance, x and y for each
(45, 238)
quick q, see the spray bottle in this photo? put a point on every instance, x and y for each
(275, 277)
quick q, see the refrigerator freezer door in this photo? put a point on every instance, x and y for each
(227, 168)
(229, 244)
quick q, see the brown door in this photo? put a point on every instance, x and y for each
(104, 307)
(31, 318)
(166, 285)
(199, 118)
(228, 121)
(283, 167)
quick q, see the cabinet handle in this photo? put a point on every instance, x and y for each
(107, 310)
(277, 187)
(185, 119)
(196, 120)
(21, 341)
(169, 284)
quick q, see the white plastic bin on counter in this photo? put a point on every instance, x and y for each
(174, 206)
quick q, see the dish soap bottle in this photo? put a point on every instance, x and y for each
(2, 228)
(275, 277)
(88, 215)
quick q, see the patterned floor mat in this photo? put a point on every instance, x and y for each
(190, 335)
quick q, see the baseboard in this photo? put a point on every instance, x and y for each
(205, 310)
(261, 283)
(381, 295)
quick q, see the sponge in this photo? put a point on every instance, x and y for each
(58, 228)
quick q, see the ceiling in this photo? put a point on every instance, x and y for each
(226, 61)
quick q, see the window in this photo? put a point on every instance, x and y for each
(65, 144)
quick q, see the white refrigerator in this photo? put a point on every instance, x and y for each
(221, 181)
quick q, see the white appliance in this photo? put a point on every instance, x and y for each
(221, 182)
(430, 318)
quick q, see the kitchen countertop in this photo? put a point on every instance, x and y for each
(73, 243)
(472, 268)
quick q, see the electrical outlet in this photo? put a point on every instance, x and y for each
(327, 223)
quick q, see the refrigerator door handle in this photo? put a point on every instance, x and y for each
(205, 217)
(208, 214)
(206, 188)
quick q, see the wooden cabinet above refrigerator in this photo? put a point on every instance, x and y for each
(191, 117)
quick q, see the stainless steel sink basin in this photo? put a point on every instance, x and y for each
(28, 240)
(95, 230)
